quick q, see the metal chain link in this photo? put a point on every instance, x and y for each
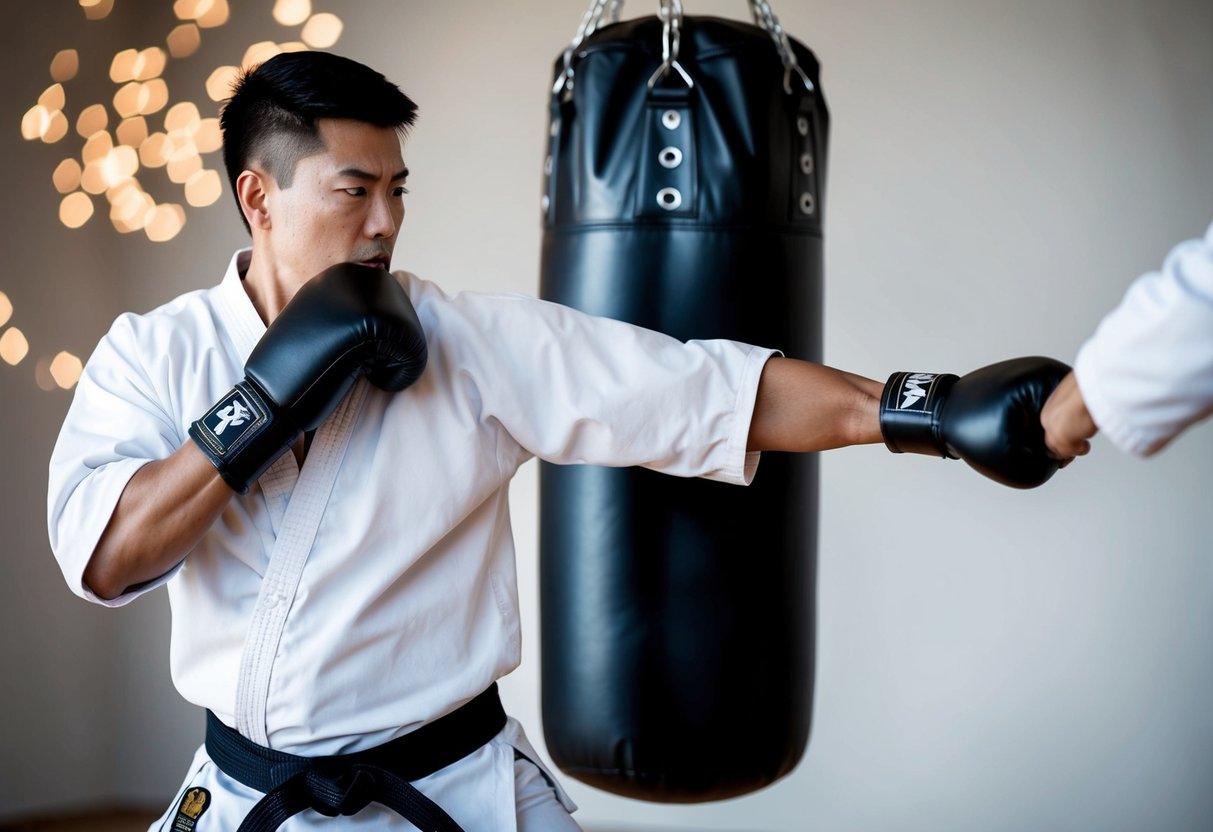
(764, 18)
(670, 13)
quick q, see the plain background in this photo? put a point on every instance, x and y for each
(999, 172)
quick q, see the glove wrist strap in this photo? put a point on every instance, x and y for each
(242, 435)
(910, 410)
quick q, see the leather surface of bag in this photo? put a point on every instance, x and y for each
(677, 616)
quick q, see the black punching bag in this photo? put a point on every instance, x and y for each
(684, 194)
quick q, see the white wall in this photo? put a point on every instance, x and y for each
(999, 172)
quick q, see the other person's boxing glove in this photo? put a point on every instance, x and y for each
(990, 418)
(348, 320)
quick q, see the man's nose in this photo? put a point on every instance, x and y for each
(381, 222)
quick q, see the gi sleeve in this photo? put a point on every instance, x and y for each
(114, 426)
(1147, 372)
(569, 387)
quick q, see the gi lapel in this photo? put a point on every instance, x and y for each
(296, 535)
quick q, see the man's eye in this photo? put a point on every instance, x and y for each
(355, 191)
(400, 191)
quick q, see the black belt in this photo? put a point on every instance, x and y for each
(343, 784)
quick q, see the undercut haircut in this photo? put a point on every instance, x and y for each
(270, 120)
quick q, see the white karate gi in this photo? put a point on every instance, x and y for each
(1147, 372)
(341, 605)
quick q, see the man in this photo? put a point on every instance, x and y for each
(1146, 374)
(357, 596)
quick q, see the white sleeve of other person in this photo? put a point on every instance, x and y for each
(1147, 372)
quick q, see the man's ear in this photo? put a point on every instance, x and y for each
(252, 189)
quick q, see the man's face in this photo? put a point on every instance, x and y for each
(345, 204)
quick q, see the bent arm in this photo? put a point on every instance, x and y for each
(162, 513)
(810, 407)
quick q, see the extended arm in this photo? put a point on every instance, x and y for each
(990, 418)
(811, 407)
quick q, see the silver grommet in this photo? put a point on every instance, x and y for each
(547, 166)
(802, 126)
(807, 204)
(806, 163)
(545, 202)
(670, 119)
(669, 199)
(669, 157)
(555, 127)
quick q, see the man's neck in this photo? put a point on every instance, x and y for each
(268, 287)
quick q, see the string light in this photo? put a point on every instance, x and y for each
(119, 145)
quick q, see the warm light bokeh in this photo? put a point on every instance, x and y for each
(6, 309)
(66, 177)
(166, 223)
(184, 40)
(292, 12)
(203, 188)
(132, 131)
(13, 346)
(65, 65)
(219, 83)
(91, 119)
(66, 369)
(322, 30)
(97, 9)
(75, 209)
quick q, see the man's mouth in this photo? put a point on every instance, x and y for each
(379, 261)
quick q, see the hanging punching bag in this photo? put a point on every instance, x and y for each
(684, 194)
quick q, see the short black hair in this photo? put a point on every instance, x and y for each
(271, 117)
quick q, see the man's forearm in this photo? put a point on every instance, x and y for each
(163, 511)
(810, 407)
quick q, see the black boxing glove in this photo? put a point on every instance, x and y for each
(348, 320)
(990, 418)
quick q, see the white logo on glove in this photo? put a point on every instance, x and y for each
(235, 415)
(913, 390)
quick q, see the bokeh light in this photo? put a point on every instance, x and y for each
(166, 223)
(131, 131)
(219, 83)
(6, 309)
(97, 9)
(212, 13)
(53, 98)
(322, 30)
(57, 128)
(203, 188)
(65, 65)
(292, 12)
(149, 64)
(66, 177)
(259, 53)
(66, 369)
(97, 146)
(75, 209)
(184, 40)
(13, 346)
(35, 122)
(119, 145)
(91, 119)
